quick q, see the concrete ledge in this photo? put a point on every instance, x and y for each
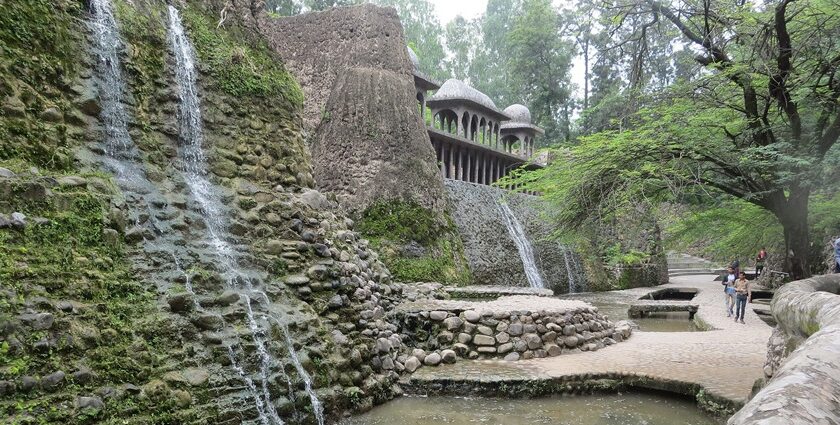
(584, 383)
(643, 308)
(490, 292)
(805, 389)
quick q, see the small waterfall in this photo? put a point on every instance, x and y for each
(523, 245)
(317, 408)
(573, 287)
(194, 170)
(121, 151)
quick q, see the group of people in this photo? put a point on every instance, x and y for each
(737, 289)
(738, 292)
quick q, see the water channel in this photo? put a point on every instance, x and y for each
(616, 409)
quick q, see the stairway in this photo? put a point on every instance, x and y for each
(686, 265)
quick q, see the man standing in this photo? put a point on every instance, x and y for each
(743, 295)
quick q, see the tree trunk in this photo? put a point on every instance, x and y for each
(793, 216)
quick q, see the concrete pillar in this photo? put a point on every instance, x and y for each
(459, 170)
(443, 159)
(482, 168)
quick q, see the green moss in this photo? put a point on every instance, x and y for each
(238, 67)
(393, 224)
(144, 34)
(40, 42)
(116, 331)
(400, 221)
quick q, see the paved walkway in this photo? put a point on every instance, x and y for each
(725, 361)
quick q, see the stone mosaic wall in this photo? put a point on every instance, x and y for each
(510, 328)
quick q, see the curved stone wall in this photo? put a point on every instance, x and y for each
(512, 328)
(805, 386)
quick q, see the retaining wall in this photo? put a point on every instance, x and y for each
(804, 385)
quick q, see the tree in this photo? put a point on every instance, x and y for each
(326, 4)
(462, 42)
(422, 32)
(490, 71)
(284, 7)
(541, 60)
(758, 125)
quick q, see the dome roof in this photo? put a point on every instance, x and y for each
(415, 61)
(518, 113)
(454, 89)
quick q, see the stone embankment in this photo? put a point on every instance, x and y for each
(802, 361)
(512, 328)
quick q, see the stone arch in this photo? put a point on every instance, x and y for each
(508, 142)
(482, 125)
(448, 120)
(474, 127)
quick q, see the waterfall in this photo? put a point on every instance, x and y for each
(523, 245)
(121, 151)
(317, 408)
(569, 271)
(194, 170)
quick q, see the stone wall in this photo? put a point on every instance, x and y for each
(510, 328)
(802, 364)
(489, 248)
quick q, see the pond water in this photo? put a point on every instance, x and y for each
(626, 409)
(653, 322)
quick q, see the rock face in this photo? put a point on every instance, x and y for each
(801, 364)
(372, 146)
(489, 248)
(368, 140)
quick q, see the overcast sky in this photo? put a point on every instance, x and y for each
(449, 9)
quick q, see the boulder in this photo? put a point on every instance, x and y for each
(438, 315)
(433, 359)
(52, 381)
(484, 340)
(448, 356)
(453, 323)
(412, 364)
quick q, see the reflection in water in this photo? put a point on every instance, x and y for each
(627, 409)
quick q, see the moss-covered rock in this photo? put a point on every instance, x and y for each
(413, 244)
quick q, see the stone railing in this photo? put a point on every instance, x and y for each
(805, 387)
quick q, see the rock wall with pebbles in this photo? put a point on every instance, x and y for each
(489, 248)
(114, 304)
(510, 328)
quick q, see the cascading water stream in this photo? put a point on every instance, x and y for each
(523, 245)
(121, 152)
(194, 169)
(569, 271)
(317, 407)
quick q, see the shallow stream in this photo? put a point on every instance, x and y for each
(626, 409)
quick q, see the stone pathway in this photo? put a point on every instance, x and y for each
(725, 361)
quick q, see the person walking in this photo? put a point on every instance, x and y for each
(743, 295)
(837, 256)
(759, 262)
(736, 265)
(729, 291)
